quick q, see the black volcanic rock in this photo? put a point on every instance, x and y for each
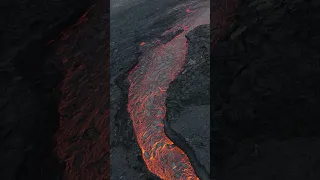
(24, 22)
(265, 93)
(29, 74)
(191, 86)
(188, 113)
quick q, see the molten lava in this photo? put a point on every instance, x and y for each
(146, 102)
(143, 43)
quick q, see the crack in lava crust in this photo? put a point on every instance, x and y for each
(146, 103)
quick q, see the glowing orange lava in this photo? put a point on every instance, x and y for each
(147, 110)
(146, 103)
(143, 43)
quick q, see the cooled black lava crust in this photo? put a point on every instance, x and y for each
(265, 93)
(29, 75)
(188, 103)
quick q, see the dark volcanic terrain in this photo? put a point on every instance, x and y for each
(265, 93)
(83, 135)
(37, 39)
(141, 34)
(188, 101)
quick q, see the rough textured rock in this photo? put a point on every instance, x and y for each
(29, 74)
(83, 135)
(128, 30)
(265, 92)
(188, 100)
(25, 22)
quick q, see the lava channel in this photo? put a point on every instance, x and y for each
(146, 101)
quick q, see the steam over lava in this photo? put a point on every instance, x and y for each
(146, 100)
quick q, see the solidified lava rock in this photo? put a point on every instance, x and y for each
(265, 93)
(170, 36)
(24, 22)
(29, 75)
(83, 135)
(188, 105)
(27, 124)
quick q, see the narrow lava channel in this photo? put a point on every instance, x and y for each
(147, 94)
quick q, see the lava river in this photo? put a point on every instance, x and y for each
(147, 94)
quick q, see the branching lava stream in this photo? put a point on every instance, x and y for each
(146, 100)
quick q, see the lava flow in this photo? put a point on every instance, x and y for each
(146, 101)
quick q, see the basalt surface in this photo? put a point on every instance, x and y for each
(30, 73)
(82, 140)
(265, 93)
(188, 100)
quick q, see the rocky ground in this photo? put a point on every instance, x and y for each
(31, 72)
(83, 136)
(265, 93)
(264, 89)
(188, 101)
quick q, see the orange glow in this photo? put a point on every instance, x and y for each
(146, 105)
(149, 81)
(143, 43)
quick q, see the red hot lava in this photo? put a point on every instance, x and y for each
(146, 103)
(143, 43)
